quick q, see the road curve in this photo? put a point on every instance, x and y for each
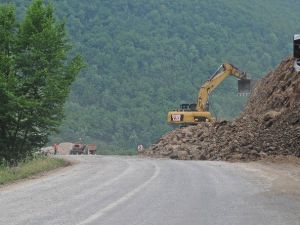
(107, 190)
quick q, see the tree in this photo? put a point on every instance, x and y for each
(43, 73)
(8, 98)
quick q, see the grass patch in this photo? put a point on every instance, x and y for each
(29, 168)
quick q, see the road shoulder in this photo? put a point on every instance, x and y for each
(282, 173)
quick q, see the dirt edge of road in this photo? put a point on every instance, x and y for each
(282, 173)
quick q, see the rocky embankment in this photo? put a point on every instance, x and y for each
(270, 125)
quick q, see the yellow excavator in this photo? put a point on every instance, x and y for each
(192, 114)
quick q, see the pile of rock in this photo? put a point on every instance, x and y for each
(270, 125)
(62, 149)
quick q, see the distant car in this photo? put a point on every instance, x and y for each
(78, 149)
(83, 149)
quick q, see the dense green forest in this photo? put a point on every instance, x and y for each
(145, 57)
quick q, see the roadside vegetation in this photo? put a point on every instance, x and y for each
(28, 168)
(36, 72)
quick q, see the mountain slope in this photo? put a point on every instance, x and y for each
(146, 57)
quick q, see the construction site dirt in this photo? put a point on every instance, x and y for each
(269, 126)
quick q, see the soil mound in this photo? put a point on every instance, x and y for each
(64, 148)
(270, 125)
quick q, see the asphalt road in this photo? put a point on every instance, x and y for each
(135, 191)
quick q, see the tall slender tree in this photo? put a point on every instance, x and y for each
(42, 74)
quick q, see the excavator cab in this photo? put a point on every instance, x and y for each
(188, 107)
(244, 87)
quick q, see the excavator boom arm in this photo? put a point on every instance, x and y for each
(216, 79)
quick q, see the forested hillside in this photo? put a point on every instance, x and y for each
(145, 57)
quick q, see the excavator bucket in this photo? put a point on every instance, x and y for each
(244, 87)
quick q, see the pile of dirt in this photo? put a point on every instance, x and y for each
(64, 148)
(270, 125)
